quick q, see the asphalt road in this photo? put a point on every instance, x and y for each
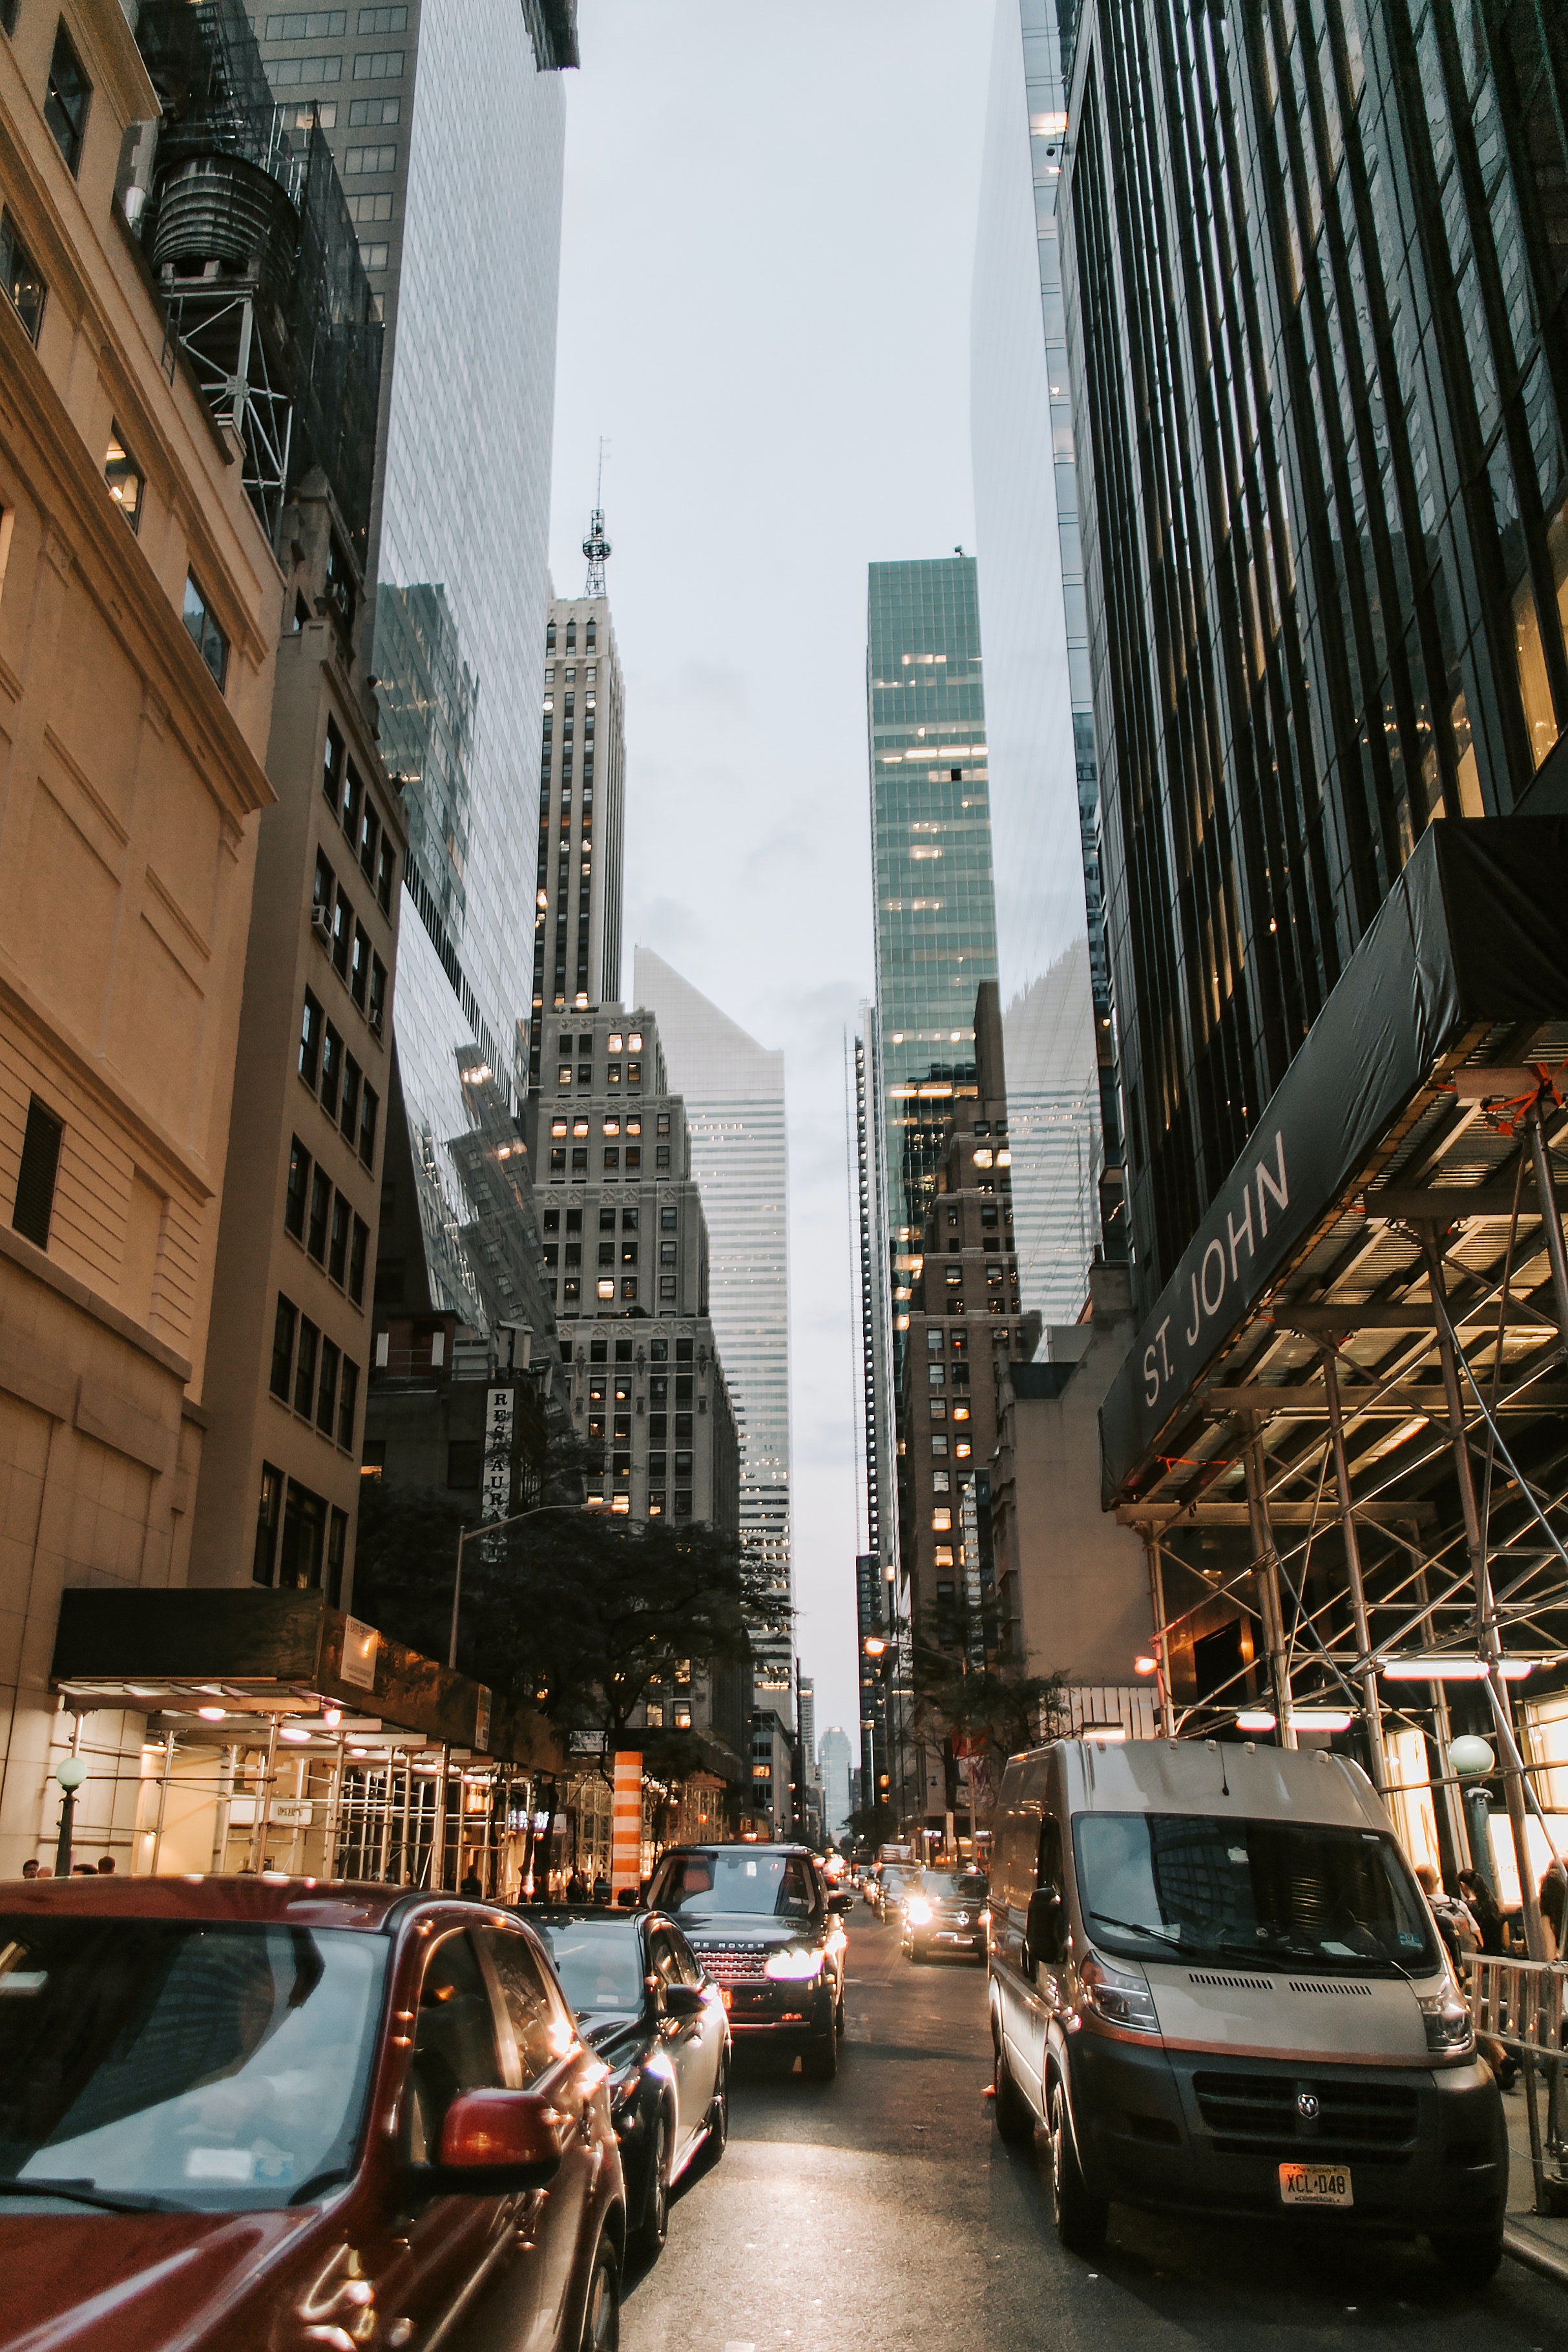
(882, 2211)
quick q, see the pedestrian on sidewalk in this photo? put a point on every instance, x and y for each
(1486, 1911)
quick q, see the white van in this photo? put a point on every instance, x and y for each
(1214, 1980)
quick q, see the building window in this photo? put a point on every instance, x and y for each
(23, 284)
(369, 1106)
(310, 1041)
(357, 1261)
(66, 105)
(629, 1287)
(35, 1202)
(206, 634)
(326, 1388)
(342, 935)
(666, 1285)
(374, 114)
(299, 1187)
(348, 1398)
(124, 477)
(320, 1206)
(283, 1347)
(667, 1252)
(338, 1255)
(655, 1502)
(377, 65)
(661, 1157)
(939, 1446)
(612, 1156)
(304, 1533)
(337, 1557)
(331, 1071)
(663, 1124)
(375, 257)
(386, 874)
(364, 210)
(268, 1509)
(683, 1505)
(305, 1367)
(352, 1083)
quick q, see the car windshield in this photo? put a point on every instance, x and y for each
(955, 1885)
(1280, 1894)
(598, 1962)
(893, 1882)
(214, 2067)
(728, 1878)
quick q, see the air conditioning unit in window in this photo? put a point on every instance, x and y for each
(374, 1017)
(322, 924)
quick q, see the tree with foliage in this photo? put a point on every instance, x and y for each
(960, 1686)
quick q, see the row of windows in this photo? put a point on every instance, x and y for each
(312, 1373)
(612, 1160)
(599, 1383)
(611, 1074)
(325, 1223)
(608, 1127)
(364, 210)
(364, 114)
(300, 1540)
(574, 1254)
(590, 636)
(669, 1220)
(658, 1351)
(328, 1067)
(370, 159)
(332, 24)
(571, 1290)
(347, 942)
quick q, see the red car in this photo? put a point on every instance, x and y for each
(277, 2116)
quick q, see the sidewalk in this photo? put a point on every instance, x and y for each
(1540, 2241)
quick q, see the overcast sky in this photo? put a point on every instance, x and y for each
(765, 311)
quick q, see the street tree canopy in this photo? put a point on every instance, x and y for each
(575, 1615)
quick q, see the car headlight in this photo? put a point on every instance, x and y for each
(1450, 2029)
(917, 1911)
(1119, 1999)
(798, 1966)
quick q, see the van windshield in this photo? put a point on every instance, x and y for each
(1277, 1894)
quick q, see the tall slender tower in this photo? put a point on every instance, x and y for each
(583, 784)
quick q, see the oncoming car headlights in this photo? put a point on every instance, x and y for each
(917, 1911)
(798, 1965)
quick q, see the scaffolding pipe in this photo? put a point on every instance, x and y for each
(334, 1798)
(1486, 1616)
(261, 1819)
(1367, 1672)
(225, 1800)
(163, 1797)
(383, 1855)
(1551, 1222)
(1152, 1554)
(1266, 1564)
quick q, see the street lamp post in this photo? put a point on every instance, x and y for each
(492, 1527)
(70, 1773)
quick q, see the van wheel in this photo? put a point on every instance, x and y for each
(1015, 2116)
(1470, 2257)
(1080, 2219)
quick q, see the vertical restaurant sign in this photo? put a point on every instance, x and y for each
(495, 1480)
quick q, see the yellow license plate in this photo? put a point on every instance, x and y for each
(1315, 2184)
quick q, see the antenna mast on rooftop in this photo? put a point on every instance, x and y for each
(596, 547)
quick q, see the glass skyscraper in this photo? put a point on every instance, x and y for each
(931, 859)
(733, 1094)
(1038, 696)
(447, 122)
(1316, 259)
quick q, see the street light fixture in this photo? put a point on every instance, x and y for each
(70, 1773)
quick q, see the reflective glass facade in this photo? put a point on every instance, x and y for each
(1315, 260)
(450, 140)
(734, 1095)
(931, 855)
(1040, 725)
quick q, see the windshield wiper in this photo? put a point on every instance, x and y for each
(83, 2192)
(1140, 1927)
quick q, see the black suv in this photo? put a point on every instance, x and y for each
(946, 1911)
(764, 1925)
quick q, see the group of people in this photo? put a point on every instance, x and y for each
(102, 1868)
(1473, 1921)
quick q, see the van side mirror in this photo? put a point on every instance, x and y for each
(1043, 1928)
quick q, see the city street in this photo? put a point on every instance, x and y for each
(882, 2211)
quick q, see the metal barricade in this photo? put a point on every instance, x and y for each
(1523, 2004)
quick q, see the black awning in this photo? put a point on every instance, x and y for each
(1473, 934)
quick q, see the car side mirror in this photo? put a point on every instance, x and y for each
(492, 2141)
(684, 2001)
(842, 1899)
(1042, 1926)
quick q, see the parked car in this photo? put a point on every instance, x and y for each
(765, 1928)
(644, 2004)
(308, 2116)
(944, 1911)
(1215, 1981)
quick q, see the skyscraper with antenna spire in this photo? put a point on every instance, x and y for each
(583, 768)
